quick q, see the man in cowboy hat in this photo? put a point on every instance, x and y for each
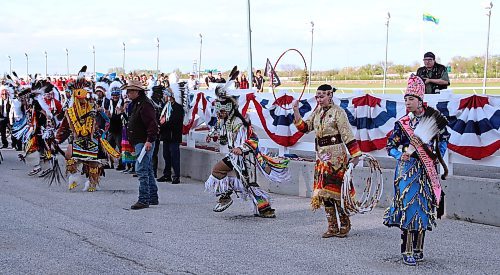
(142, 130)
(193, 83)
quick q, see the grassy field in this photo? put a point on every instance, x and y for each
(397, 86)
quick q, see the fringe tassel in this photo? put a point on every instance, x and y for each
(219, 186)
(56, 174)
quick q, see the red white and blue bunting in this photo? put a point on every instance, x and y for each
(474, 120)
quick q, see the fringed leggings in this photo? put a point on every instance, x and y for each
(91, 169)
(332, 209)
(412, 242)
(220, 171)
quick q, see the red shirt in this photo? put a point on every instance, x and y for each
(57, 105)
(244, 84)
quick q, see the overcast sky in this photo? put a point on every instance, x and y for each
(346, 33)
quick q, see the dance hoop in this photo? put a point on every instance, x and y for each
(305, 70)
(372, 192)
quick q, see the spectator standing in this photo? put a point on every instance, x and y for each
(114, 111)
(220, 78)
(434, 74)
(171, 135)
(209, 79)
(142, 131)
(158, 103)
(259, 81)
(5, 105)
(244, 82)
(193, 83)
(17, 112)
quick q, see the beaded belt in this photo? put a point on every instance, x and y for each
(329, 140)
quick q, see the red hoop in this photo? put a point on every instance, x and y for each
(305, 70)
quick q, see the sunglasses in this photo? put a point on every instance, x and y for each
(428, 59)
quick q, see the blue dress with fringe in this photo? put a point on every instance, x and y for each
(414, 204)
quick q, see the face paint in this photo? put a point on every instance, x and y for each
(227, 107)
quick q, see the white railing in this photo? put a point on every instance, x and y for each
(450, 157)
(343, 90)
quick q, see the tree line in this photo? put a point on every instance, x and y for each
(459, 67)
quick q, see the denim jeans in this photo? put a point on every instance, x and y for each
(148, 191)
(172, 157)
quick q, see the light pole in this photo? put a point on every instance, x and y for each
(67, 62)
(93, 52)
(124, 57)
(10, 64)
(386, 46)
(496, 67)
(250, 67)
(311, 59)
(489, 7)
(27, 73)
(46, 72)
(199, 63)
(456, 71)
(158, 57)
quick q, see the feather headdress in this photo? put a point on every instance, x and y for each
(222, 89)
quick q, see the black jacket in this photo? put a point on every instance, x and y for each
(4, 105)
(171, 131)
(436, 73)
(142, 125)
(115, 121)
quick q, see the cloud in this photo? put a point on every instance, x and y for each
(80, 33)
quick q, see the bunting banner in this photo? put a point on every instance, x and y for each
(277, 121)
(474, 121)
(474, 124)
(372, 119)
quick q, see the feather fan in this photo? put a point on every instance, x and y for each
(430, 125)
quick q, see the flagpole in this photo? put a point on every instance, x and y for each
(386, 47)
(489, 7)
(250, 70)
(421, 39)
(311, 59)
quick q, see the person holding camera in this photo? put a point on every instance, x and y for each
(434, 74)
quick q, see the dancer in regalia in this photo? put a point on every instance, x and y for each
(88, 150)
(333, 136)
(418, 198)
(235, 131)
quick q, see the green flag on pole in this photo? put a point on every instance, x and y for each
(430, 18)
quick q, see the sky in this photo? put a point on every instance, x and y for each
(346, 33)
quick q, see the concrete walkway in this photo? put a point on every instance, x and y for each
(49, 230)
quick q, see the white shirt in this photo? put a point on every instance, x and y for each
(193, 84)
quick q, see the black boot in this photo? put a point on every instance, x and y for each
(164, 179)
(407, 248)
(139, 205)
